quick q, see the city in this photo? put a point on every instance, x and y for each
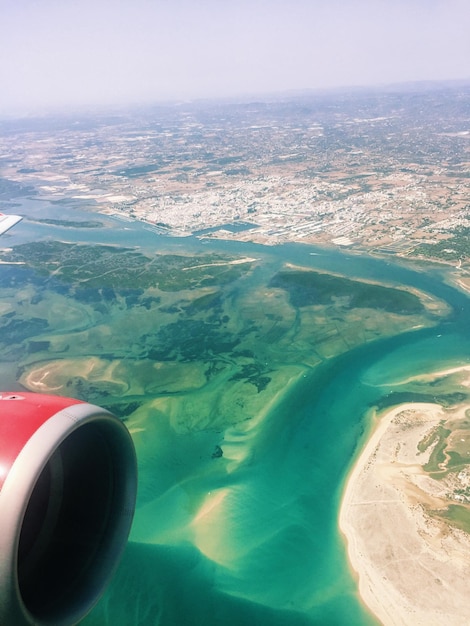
(377, 171)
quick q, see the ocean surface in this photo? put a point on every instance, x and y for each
(258, 543)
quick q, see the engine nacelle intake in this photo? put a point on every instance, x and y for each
(68, 483)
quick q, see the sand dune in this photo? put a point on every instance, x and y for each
(413, 568)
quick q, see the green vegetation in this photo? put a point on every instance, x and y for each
(238, 171)
(307, 288)
(99, 266)
(113, 325)
(451, 250)
(228, 160)
(136, 172)
(457, 515)
(455, 460)
(439, 438)
(10, 189)
(442, 459)
(188, 340)
(72, 224)
(254, 374)
(424, 444)
(403, 397)
(13, 329)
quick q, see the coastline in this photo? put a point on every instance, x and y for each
(411, 567)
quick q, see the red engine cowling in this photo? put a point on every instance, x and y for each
(68, 483)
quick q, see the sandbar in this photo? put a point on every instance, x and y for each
(413, 567)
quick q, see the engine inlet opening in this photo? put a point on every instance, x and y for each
(70, 521)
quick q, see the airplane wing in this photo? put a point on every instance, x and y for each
(7, 221)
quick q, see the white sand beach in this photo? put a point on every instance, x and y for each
(413, 567)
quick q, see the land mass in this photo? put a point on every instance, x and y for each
(382, 172)
(406, 512)
(194, 346)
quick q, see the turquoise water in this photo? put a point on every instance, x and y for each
(268, 552)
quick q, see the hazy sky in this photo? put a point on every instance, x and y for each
(65, 52)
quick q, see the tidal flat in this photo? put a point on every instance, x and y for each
(245, 377)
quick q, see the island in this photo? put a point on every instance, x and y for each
(406, 510)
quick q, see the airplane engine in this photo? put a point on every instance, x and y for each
(68, 483)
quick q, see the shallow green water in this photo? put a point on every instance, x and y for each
(238, 502)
